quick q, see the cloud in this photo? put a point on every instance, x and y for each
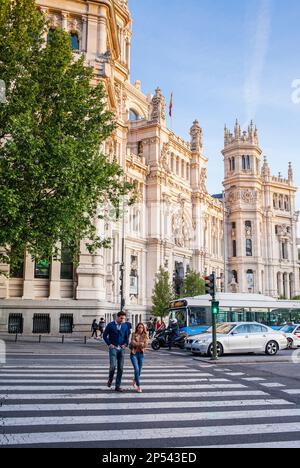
(257, 58)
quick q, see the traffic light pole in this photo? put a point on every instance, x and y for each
(214, 324)
(210, 288)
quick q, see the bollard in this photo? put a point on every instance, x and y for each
(16, 337)
(63, 339)
(85, 340)
(40, 338)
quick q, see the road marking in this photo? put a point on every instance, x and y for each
(111, 395)
(235, 374)
(143, 405)
(144, 418)
(272, 385)
(144, 434)
(146, 387)
(103, 380)
(292, 392)
(254, 379)
(287, 444)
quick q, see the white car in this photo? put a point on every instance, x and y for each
(191, 340)
(235, 338)
(292, 334)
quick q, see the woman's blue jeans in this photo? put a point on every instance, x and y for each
(137, 362)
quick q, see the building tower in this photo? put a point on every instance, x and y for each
(243, 191)
(261, 220)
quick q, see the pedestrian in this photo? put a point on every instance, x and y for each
(94, 329)
(116, 337)
(101, 327)
(129, 325)
(138, 348)
(158, 324)
(151, 328)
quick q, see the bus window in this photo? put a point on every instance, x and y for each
(180, 316)
(197, 316)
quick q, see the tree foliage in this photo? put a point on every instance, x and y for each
(193, 285)
(163, 293)
(53, 175)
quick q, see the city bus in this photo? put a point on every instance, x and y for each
(194, 314)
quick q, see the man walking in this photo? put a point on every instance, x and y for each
(116, 337)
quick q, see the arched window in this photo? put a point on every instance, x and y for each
(234, 249)
(233, 164)
(250, 280)
(50, 34)
(133, 116)
(248, 163)
(243, 163)
(249, 251)
(74, 41)
(235, 276)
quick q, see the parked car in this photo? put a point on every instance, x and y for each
(292, 334)
(235, 338)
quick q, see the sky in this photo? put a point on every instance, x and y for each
(224, 60)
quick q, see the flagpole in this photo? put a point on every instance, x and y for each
(171, 111)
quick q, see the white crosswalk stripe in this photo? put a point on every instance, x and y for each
(72, 406)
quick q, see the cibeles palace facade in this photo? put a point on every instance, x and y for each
(175, 223)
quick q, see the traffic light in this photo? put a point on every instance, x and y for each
(210, 285)
(215, 307)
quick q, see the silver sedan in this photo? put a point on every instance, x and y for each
(235, 338)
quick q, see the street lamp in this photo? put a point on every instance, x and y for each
(122, 265)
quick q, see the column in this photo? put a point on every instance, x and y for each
(54, 290)
(102, 31)
(28, 289)
(84, 34)
(64, 23)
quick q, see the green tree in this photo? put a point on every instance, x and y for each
(163, 294)
(53, 175)
(193, 285)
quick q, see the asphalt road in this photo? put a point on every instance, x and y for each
(55, 395)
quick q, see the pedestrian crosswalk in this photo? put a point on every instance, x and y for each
(181, 406)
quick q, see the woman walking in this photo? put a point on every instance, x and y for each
(138, 347)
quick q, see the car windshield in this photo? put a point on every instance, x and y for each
(288, 329)
(223, 328)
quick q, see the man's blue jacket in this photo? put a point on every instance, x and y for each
(112, 336)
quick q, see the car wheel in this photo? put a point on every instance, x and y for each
(155, 345)
(272, 348)
(220, 350)
(290, 343)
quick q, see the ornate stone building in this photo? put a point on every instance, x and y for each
(175, 222)
(261, 220)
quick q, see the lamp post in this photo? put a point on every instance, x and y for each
(122, 264)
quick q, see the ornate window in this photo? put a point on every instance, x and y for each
(50, 34)
(234, 249)
(133, 116)
(67, 267)
(249, 250)
(42, 269)
(74, 41)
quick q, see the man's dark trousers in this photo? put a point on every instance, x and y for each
(116, 358)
